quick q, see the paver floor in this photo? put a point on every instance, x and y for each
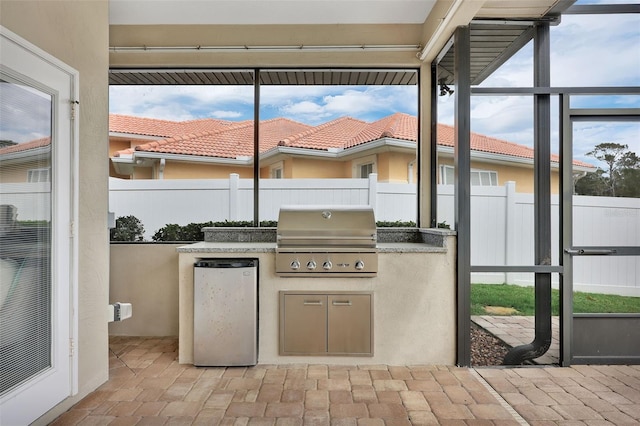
(148, 387)
(579, 395)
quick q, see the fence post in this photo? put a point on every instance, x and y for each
(511, 243)
(234, 184)
(373, 190)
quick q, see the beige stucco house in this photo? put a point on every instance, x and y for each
(342, 148)
(85, 39)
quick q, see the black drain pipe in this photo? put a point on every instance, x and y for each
(542, 201)
(542, 339)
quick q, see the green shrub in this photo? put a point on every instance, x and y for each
(174, 232)
(396, 224)
(128, 228)
(193, 231)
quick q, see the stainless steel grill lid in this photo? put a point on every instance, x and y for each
(326, 240)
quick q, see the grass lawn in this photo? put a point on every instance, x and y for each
(522, 300)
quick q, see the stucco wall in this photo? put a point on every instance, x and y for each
(76, 32)
(145, 275)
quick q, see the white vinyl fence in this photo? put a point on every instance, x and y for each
(502, 220)
(502, 233)
(159, 202)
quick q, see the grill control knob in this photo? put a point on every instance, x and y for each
(327, 265)
(359, 265)
(295, 265)
(311, 265)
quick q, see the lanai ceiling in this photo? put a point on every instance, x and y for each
(499, 29)
(259, 12)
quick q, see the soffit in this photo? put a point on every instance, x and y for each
(499, 30)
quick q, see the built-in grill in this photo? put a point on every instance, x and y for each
(325, 241)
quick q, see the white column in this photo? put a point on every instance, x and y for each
(234, 183)
(511, 232)
(373, 190)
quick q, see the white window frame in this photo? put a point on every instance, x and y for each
(22, 61)
(39, 175)
(493, 176)
(276, 170)
(365, 161)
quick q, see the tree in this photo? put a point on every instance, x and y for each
(621, 178)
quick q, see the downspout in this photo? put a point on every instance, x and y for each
(410, 171)
(542, 204)
(161, 168)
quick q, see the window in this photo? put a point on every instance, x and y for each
(366, 170)
(38, 175)
(446, 175)
(363, 167)
(478, 177)
(276, 171)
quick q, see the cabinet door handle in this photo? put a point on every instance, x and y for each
(312, 303)
(341, 303)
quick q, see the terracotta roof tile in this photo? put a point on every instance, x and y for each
(328, 135)
(396, 126)
(483, 143)
(143, 126)
(219, 138)
(37, 143)
(162, 128)
(231, 141)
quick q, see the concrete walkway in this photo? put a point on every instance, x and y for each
(148, 387)
(520, 330)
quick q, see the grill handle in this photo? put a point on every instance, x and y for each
(341, 303)
(312, 303)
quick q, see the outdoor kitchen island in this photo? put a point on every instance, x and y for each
(413, 303)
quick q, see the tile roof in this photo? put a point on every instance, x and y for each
(230, 141)
(328, 135)
(218, 138)
(37, 143)
(143, 126)
(483, 143)
(119, 123)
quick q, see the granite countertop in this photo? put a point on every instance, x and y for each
(262, 240)
(251, 247)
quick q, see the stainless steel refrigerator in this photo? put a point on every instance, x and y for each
(225, 312)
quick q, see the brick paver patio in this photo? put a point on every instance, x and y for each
(148, 387)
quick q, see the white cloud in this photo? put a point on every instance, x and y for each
(185, 102)
(303, 108)
(365, 103)
(596, 50)
(225, 114)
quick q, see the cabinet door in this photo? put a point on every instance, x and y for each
(304, 324)
(349, 323)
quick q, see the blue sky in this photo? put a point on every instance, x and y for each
(587, 50)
